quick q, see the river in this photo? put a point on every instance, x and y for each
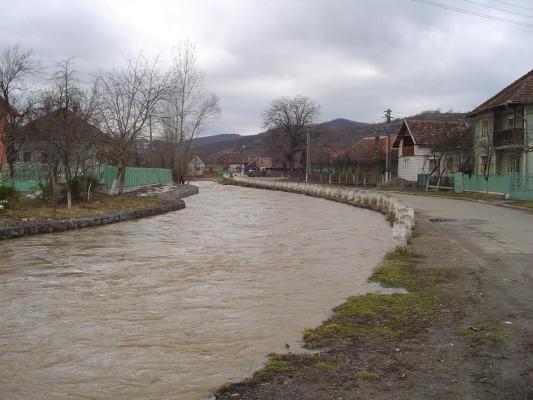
(172, 306)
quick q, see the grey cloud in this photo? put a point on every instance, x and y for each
(353, 57)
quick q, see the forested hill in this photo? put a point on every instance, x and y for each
(336, 133)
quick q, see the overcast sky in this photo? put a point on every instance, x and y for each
(354, 57)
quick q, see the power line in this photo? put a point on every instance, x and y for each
(513, 5)
(497, 8)
(474, 13)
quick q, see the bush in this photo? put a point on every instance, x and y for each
(46, 191)
(8, 195)
(81, 184)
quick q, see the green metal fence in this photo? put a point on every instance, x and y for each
(24, 176)
(28, 176)
(134, 176)
(516, 186)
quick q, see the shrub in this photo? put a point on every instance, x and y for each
(8, 193)
(8, 196)
(81, 184)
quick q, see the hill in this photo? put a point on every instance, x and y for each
(339, 132)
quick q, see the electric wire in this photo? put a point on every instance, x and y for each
(498, 9)
(474, 13)
(513, 4)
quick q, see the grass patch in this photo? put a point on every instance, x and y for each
(386, 315)
(274, 365)
(224, 387)
(366, 376)
(398, 270)
(527, 204)
(323, 365)
(485, 332)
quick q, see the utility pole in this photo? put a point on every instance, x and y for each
(388, 155)
(308, 158)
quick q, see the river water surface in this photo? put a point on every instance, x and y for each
(170, 307)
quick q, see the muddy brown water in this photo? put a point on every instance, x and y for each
(171, 307)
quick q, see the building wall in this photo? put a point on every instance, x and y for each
(478, 148)
(529, 119)
(410, 167)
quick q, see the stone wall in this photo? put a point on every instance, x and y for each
(401, 215)
(50, 226)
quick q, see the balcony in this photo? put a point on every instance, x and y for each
(509, 138)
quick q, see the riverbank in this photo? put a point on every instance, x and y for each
(32, 219)
(462, 330)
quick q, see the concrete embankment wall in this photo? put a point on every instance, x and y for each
(401, 215)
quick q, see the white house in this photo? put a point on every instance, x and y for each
(196, 167)
(415, 143)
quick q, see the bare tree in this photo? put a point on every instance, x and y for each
(186, 109)
(291, 118)
(486, 153)
(366, 156)
(17, 66)
(127, 99)
(64, 125)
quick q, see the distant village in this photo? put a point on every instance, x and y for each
(488, 149)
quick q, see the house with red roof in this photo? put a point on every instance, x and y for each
(503, 139)
(369, 155)
(418, 142)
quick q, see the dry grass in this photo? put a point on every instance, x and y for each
(32, 210)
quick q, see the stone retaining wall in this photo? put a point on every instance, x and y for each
(402, 216)
(50, 226)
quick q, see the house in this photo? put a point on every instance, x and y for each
(195, 167)
(41, 140)
(421, 143)
(369, 157)
(503, 136)
(225, 162)
(260, 166)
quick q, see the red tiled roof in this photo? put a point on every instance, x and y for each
(425, 132)
(371, 140)
(518, 92)
(374, 148)
(262, 162)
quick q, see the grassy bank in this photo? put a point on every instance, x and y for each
(30, 210)
(370, 320)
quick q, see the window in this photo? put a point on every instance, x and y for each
(483, 164)
(44, 157)
(26, 156)
(513, 164)
(450, 164)
(510, 123)
(406, 163)
(484, 128)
